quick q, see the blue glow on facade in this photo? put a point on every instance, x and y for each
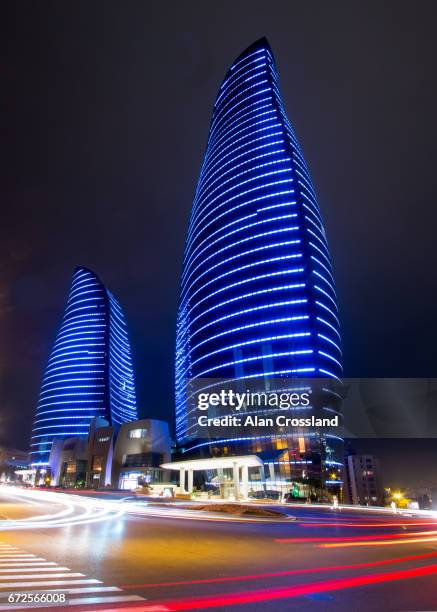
(89, 372)
(254, 187)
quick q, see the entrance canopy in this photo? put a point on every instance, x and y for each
(214, 463)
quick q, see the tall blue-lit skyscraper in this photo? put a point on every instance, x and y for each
(89, 372)
(257, 297)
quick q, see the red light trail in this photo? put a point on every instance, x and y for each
(245, 597)
(329, 568)
(385, 536)
(379, 524)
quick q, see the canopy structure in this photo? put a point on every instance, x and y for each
(217, 463)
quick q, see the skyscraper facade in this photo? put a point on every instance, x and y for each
(257, 297)
(89, 372)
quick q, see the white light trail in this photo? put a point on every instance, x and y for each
(76, 510)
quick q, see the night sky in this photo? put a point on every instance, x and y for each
(107, 113)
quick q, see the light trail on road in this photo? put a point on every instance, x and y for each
(376, 524)
(179, 557)
(76, 510)
(171, 511)
(271, 594)
(385, 536)
(311, 570)
(392, 542)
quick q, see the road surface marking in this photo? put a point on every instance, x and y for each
(10, 553)
(73, 590)
(99, 600)
(24, 570)
(28, 576)
(83, 590)
(10, 585)
(81, 601)
(32, 571)
(26, 563)
(24, 559)
(17, 556)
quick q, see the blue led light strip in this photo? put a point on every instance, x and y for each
(249, 312)
(89, 372)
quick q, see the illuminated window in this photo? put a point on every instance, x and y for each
(97, 463)
(137, 433)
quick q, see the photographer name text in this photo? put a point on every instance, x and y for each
(257, 421)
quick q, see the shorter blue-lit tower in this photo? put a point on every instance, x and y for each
(89, 372)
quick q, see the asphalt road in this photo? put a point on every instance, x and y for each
(109, 554)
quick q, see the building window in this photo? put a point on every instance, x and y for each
(137, 433)
(132, 480)
(142, 460)
(129, 481)
(97, 463)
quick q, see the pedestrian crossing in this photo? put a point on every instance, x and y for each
(30, 575)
